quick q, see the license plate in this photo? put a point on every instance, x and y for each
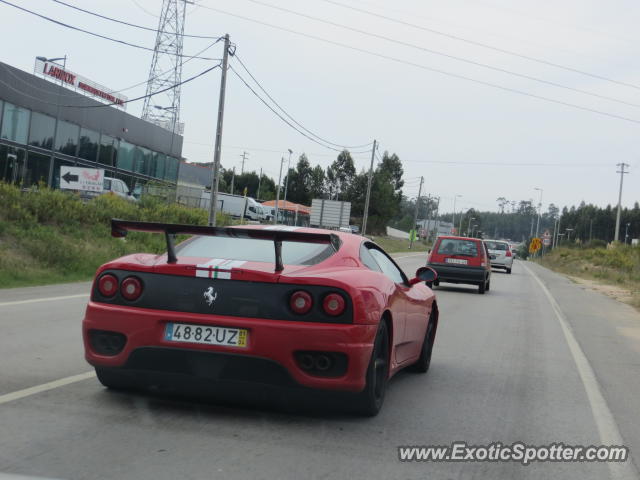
(459, 261)
(191, 333)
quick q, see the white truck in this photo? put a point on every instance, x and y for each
(235, 205)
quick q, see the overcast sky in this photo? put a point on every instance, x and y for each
(464, 137)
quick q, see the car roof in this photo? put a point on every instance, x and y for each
(455, 237)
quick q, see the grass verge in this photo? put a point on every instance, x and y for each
(396, 245)
(619, 266)
(51, 236)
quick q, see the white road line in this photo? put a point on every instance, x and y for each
(38, 300)
(10, 397)
(606, 423)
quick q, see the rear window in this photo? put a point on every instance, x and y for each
(497, 246)
(452, 246)
(254, 250)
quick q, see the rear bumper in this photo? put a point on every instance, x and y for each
(459, 273)
(268, 358)
(506, 262)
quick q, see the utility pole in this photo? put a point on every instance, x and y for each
(275, 217)
(621, 172)
(539, 212)
(429, 212)
(244, 157)
(259, 182)
(366, 201)
(213, 205)
(233, 179)
(437, 222)
(415, 215)
(453, 219)
(286, 182)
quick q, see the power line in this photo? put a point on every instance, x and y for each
(443, 54)
(424, 67)
(279, 115)
(141, 27)
(144, 9)
(78, 29)
(289, 116)
(483, 45)
(509, 164)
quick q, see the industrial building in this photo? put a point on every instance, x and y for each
(45, 124)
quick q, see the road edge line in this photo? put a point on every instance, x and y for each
(605, 421)
(38, 300)
(27, 392)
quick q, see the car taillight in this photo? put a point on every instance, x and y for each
(300, 302)
(108, 285)
(333, 304)
(508, 254)
(131, 288)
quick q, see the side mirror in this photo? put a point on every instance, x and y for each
(424, 274)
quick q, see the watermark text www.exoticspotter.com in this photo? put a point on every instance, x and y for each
(515, 452)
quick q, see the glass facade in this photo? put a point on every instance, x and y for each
(37, 137)
(88, 144)
(37, 169)
(11, 164)
(126, 156)
(67, 138)
(41, 131)
(15, 123)
(108, 150)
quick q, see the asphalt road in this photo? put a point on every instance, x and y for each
(514, 365)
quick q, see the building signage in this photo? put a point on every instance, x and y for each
(55, 72)
(78, 178)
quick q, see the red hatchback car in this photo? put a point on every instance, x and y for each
(461, 260)
(284, 306)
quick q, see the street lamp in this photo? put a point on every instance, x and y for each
(539, 211)
(453, 221)
(55, 127)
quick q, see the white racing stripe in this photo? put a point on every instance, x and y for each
(606, 423)
(38, 300)
(10, 397)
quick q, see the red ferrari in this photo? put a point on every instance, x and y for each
(283, 306)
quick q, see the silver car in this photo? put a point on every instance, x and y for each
(500, 253)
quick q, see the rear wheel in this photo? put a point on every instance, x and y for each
(423, 363)
(369, 401)
(482, 287)
(508, 270)
(113, 379)
(429, 284)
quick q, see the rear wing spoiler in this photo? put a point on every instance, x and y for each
(120, 228)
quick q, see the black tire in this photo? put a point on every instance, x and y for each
(482, 287)
(429, 284)
(488, 285)
(436, 283)
(423, 363)
(370, 400)
(112, 379)
(508, 270)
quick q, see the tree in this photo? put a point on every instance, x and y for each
(340, 175)
(299, 190)
(317, 183)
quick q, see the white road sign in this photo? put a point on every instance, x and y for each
(80, 178)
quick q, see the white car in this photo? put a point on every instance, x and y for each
(500, 253)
